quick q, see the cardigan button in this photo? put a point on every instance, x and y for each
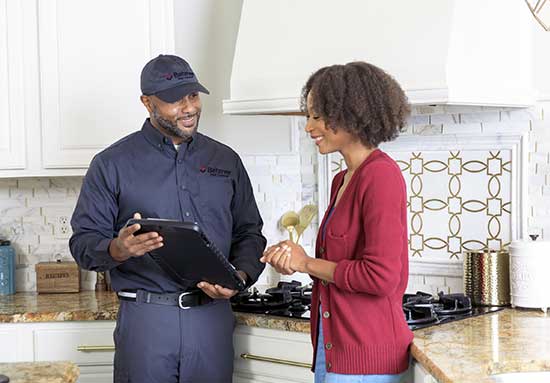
(323, 282)
(326, 315)
(329, 366)
(328, 346)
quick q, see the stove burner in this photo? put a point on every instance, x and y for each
(422, 309)
(291, 299)
(453, 304)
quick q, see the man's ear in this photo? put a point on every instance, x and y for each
(146, 100)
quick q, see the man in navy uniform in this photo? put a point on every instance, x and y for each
(168, 331)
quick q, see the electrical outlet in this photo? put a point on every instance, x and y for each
(62, 227)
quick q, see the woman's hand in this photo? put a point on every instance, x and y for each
(286, 257)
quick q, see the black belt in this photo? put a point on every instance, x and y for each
(184, 300)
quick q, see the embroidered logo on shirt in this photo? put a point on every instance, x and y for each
(217, 172)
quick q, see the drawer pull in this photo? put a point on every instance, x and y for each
(276, 360)
(82, 348)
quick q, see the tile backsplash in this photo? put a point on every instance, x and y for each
(34, 212)
(34, 215)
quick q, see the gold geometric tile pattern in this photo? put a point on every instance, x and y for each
(457, 200)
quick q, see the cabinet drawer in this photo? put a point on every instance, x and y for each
(63, 344)
(272, 355)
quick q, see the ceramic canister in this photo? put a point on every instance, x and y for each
(7, 268)
(530, 274)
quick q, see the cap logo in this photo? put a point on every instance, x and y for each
(177, 75)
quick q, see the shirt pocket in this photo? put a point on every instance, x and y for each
(216, 194)
(336, 246)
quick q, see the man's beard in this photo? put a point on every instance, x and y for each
(172, 127)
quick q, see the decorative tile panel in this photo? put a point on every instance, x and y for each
(457, 200)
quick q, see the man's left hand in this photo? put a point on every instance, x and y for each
(217, 291)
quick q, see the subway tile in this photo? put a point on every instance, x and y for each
(460, 129)
(31, 183)
(49, 203)
(437, 119)
(470, 118)
(66, 182)
(426, 130)
(19, 193)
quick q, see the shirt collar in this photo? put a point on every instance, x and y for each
(157, 139)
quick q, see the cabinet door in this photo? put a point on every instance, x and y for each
(266, 355)
(8, 340)
(12, 125)
(91, 56)
(95, 374)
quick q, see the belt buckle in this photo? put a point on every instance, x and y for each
(180, 298)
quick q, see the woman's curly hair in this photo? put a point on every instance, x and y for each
(359, 98)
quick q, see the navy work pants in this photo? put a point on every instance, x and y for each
(165, 344)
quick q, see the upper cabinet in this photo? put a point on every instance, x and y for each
(452, 52)
(12, 102)
(73, 69)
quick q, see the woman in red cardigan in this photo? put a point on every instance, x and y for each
(360, 269)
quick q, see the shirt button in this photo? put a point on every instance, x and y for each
(329, 366)
(321, 250)
(180, 161)
(182, 187)
(323, 282)
(187, 214)
(328, 346)
(326, 315)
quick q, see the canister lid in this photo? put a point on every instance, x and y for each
(4, 242)
(530, 244)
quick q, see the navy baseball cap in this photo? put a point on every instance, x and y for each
(170, 78)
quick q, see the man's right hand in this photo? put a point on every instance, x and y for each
(128, 245)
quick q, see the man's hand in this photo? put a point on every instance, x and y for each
(217, 291)
(128, 245)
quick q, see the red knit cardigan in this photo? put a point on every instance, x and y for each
(364, 328)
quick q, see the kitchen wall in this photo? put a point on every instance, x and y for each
(35, 212)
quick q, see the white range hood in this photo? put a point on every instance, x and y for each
(451, 52)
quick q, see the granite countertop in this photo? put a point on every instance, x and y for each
(92, 305)
(40, 372)
(469, 350)
(33, 307)
(512, 340)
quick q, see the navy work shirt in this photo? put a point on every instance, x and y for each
(204, 182)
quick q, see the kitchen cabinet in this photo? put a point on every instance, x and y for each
(72, 70)
(271, 356)
(420, 375)
(89, 344)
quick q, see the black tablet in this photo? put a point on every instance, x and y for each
(188, 255)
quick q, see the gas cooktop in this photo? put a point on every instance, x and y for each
(292, 300)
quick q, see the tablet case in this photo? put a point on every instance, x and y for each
(188, 255)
